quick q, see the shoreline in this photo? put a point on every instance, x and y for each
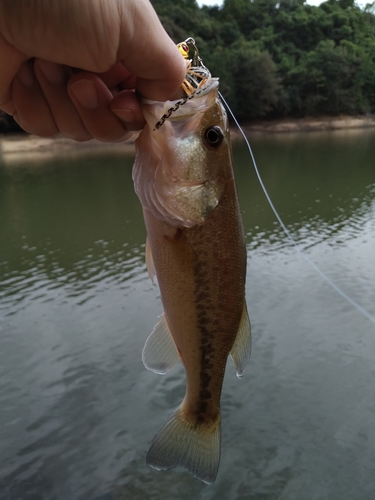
(311, 124)
(26, 143)
(14, 147)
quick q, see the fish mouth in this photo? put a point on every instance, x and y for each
(187, 106)
(211, 84)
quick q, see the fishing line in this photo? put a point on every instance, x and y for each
(287, 232)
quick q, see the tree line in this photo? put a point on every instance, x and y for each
(280, 58)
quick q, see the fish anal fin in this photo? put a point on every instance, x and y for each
(186, 444)
(242, 345)
(160, 353)
(150, 261)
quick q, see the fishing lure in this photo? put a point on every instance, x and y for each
(197, 76)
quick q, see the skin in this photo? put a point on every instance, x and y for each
(72, 66)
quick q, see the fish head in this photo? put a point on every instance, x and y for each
(183, 157)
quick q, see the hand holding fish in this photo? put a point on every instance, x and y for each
(72, 67)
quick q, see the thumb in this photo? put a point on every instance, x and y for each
(150, 54)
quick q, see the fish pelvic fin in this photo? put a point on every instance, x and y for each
(187, 444)
(150, 261)
(160, 353)
(241, 349)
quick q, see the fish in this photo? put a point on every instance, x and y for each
(183, 175)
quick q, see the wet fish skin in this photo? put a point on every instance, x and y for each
(196, 247)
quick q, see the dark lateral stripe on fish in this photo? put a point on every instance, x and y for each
(204, 305)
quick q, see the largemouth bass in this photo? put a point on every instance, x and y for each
(184, 178)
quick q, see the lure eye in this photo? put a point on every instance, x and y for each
(214, 136)
(185, 47)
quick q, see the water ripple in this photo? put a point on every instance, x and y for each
(315, 230)
(41, 279)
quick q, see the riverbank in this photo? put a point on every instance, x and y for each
(309, 124)
(12, 147)
(17, 147)
(25, 143)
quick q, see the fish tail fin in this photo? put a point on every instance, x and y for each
(195, 446)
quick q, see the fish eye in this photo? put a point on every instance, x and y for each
(214, 136)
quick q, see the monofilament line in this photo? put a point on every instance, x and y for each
(287, 232)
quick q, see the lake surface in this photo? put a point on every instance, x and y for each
(77, 408)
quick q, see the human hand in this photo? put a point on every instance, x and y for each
(72, 66)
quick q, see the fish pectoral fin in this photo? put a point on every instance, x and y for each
(242, 345)
(187, 444)
(150, 261)
(160, 353)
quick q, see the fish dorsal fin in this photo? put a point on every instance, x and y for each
(242, 345)
(150, 261)
(160, 353)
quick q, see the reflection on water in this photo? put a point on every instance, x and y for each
(78, 409)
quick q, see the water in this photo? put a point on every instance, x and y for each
(78, 409)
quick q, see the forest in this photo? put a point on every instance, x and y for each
(279, 58)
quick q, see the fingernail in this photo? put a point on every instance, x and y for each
(25, 74)
(85, 93)
(53, 72)
(126, 115)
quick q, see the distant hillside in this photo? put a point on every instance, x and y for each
(280, 58)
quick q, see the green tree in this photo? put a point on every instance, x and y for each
(279, 57)
(255, 82)
(330, 80)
